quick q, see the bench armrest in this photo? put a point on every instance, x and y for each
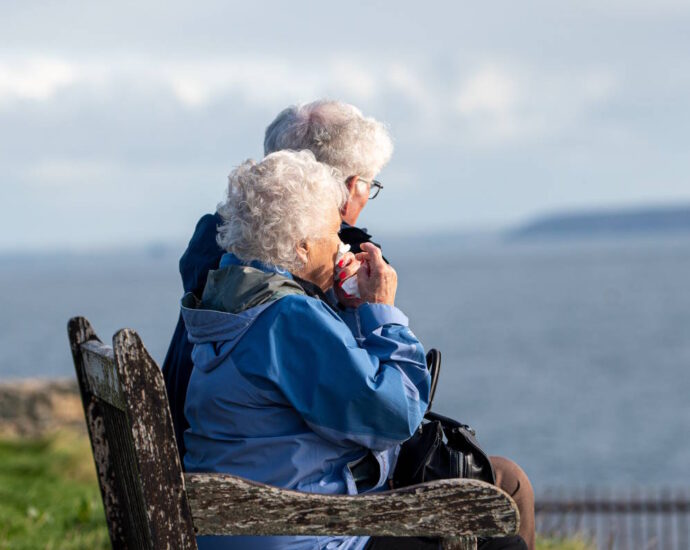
(223, 504)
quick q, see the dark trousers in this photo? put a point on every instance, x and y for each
(425, 543)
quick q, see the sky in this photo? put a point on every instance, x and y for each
(120, 121)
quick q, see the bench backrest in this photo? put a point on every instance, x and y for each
(132, 439)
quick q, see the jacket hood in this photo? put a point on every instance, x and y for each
(233, 298)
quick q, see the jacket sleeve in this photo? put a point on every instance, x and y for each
(374, 394)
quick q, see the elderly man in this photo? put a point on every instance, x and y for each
(357, 148)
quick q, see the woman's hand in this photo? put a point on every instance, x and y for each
(344, 269)
(377, 280)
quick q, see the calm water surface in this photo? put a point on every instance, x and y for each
(572, 358)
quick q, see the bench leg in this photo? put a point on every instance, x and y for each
(459, 543)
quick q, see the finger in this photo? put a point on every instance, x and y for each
(362, 256)
(347, 271)
(375, 257)
(373, 250)
(347, 259)
(364, 270)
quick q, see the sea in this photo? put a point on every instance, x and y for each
(572, 357)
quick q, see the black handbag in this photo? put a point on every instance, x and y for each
(441, 448)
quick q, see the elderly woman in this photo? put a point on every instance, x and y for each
(281, 392)
(355, 146)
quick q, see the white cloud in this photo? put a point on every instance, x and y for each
(491, 107)
(68, 173)
(190, 91)
(403, 80)
(35, 78)
(598, 86)
(497, 106)
(352, 78)
(256, 80)
(489, 91)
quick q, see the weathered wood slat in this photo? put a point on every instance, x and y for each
(229, 505)
(101, 373)
(162, 483)
(81, 333)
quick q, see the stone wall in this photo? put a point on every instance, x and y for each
(32, 408)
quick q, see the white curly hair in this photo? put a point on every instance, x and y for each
(274, 205)
(338, 135)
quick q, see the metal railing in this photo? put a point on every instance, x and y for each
(639, 518)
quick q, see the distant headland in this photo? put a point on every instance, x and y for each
(603, 223)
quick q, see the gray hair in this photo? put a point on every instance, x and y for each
(275, 204)
(338, 135)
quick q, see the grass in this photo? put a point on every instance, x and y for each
(563, 544)
(49, 497)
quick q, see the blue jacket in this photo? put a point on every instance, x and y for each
(201, 256)
(282, 393)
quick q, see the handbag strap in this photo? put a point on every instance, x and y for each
(433, 364)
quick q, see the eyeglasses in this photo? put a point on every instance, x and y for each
(375, 187)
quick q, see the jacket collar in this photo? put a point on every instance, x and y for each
(229, 259)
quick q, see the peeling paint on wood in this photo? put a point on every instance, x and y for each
(80, 332)
(160, 471)
(106, 475)
(101, 373)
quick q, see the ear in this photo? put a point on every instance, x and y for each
(303, 252)
(351, 184)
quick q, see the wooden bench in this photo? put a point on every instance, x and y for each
(150, 504)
